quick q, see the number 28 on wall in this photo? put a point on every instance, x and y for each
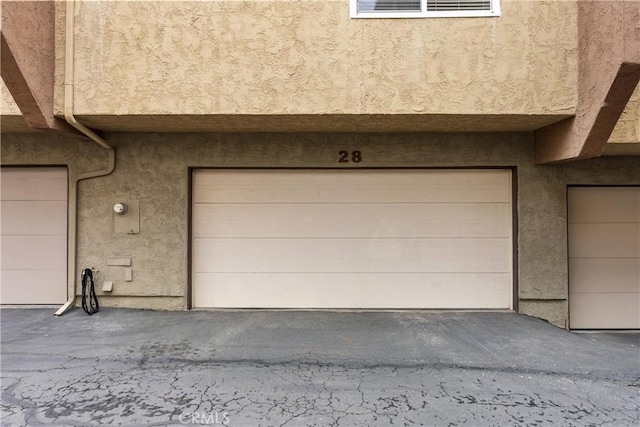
(349, 157)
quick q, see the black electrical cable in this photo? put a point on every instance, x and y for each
(93, 307)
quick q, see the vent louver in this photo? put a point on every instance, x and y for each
(457, 5)
(389, 5)
(424, 8)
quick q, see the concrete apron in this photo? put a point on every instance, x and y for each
(246, 368)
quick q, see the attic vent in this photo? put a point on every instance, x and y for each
(455, 5)
(423, 8)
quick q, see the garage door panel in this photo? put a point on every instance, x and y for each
(34, 252)
(47, 289)
(589, 275)
(275, 290)
(604, 257)
(605, 240)
(34, 235)
(352, 238)
(352, 255)
(346, 220)
(34, 184)
(606, 204)
(605, 311)
(317, 186)
(33, 218)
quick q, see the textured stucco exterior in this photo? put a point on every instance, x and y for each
(154, 169)
(8, 105)
(27, 63)
(10, 115)
(608, 73)
(28, 60)
(625, 139)
(553, 311)
(182, 73)
(627, 129)
(187, 66)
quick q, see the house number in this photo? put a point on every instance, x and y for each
(346, 157)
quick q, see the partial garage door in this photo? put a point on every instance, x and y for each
(34, 236)
(604, 257)
(352, 239)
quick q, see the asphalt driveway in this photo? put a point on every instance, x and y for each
(264, 368)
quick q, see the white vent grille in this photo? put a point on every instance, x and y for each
(458, 5)
(424, 8)
(389, 5)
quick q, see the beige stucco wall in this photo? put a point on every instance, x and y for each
(10, 116)
(153, 168)
(7, 105)
(625, 139)
(273, 57)
(627, 129)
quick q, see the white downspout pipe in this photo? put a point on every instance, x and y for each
(73, 190)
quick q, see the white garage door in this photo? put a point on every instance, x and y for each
(604, 257)
(352, 239)
(34, 236)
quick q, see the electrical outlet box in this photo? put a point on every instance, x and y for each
(129, 222)
(107, 286)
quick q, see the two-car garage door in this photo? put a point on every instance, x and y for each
(352, 239)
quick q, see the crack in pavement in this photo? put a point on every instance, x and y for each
(156, 392)
(312, 369)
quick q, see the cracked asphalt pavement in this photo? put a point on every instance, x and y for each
(286, 368)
